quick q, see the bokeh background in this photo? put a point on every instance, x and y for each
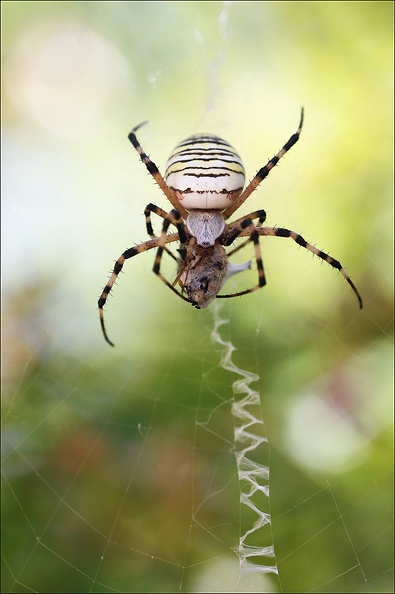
(118, 472)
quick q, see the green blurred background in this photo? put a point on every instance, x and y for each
(118, 471)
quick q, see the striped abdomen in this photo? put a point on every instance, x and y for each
(205, 172)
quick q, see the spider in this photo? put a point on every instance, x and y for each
(204, 183)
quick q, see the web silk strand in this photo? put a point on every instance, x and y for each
(250, 445)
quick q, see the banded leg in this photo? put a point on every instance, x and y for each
(154, 171)
(243, 227)
(280, 232)
(147, 213)
(264, 171)
(173, 217)
(134, 251)
(251, 216)
(161, 213)
(235, 229)
(157, 242)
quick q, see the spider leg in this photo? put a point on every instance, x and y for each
(243, 227)
(264, 171)
(154, 171)
(173, 218)
(235, 228)
(261, 214)
(134, 251)
(280, 232)
(239, 247)
(147, 213)
(161, 213)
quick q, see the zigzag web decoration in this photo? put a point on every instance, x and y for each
(251, 446)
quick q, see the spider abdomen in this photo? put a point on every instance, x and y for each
(205, 172)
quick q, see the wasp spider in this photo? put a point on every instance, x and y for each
(204, 183)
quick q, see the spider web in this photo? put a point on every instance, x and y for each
(245, 447)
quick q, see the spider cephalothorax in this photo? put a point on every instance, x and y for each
(204, 182)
